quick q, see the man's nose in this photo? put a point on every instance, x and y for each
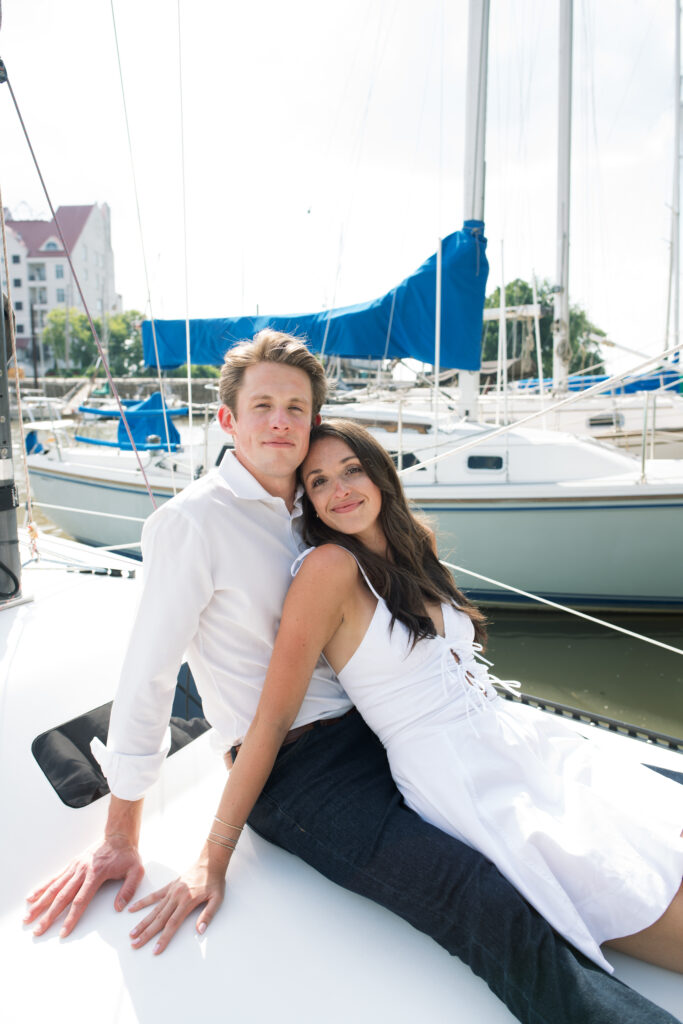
(279, 418)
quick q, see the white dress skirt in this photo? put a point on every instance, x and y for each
(593, 842)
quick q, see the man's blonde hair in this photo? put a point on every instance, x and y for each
(270, 346)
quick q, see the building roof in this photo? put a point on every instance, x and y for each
(35, 233)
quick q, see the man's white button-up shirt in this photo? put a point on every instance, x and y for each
(216, 568)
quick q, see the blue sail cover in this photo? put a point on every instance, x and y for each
(398, 325)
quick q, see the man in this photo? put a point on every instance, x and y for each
(217, 567)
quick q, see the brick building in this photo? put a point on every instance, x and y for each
(40, 276)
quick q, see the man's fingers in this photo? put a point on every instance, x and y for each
(36, 893)
(49, 894)
(130, 884)
(58, 903)
(81, 901)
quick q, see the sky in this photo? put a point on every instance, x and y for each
(292, 156)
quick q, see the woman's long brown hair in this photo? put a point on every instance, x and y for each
(412, 574)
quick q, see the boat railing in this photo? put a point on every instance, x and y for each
(569, 400)
(638, 732)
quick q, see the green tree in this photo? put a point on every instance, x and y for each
(82, 348)
(584, 336)
(124, 343)
(122, 340)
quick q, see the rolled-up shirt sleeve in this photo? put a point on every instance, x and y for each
(177, 586)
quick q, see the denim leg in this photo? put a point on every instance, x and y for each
(332, 802)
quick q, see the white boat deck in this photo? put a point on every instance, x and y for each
(287, 946)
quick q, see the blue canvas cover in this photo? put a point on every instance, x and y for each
(145, 418)
(668, 379)
(400, 324)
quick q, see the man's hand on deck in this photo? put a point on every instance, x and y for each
(116, 857)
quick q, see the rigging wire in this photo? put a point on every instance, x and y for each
(77, 282)
(142, 237)
(184, 204)
(644, 47)
(565, 608)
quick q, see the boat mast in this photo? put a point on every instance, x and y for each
(676, 204)
(561, 348)
(475, 159)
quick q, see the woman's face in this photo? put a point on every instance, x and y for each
(340, 490)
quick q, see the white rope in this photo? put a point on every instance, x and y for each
(90, 512)
(184, 203)
(564, 608)
(488, 435)
(119, 547)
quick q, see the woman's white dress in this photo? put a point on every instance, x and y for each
(591, 841)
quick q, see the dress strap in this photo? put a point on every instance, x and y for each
(298, 562)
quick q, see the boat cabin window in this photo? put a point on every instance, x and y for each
(485, 462)
(64, 756)
(391, 425)
(408, 459)
(606, 419)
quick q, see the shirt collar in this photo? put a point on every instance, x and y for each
(244, 485)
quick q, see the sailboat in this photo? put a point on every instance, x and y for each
(640, 413)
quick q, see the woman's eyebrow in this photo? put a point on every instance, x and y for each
(346, 459)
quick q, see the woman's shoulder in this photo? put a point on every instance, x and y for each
(328, 558)
(327, 570)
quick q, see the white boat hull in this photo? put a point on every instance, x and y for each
(587, 552)
(98, 505)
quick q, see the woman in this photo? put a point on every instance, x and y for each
(595, 846)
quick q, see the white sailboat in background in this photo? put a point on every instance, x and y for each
(562, 517)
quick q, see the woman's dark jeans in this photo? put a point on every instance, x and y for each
(332, 802)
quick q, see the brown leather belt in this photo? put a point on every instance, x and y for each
(292, 735)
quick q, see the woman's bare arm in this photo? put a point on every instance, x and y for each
(312, 613)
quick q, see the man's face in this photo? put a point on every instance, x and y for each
(272, 422)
